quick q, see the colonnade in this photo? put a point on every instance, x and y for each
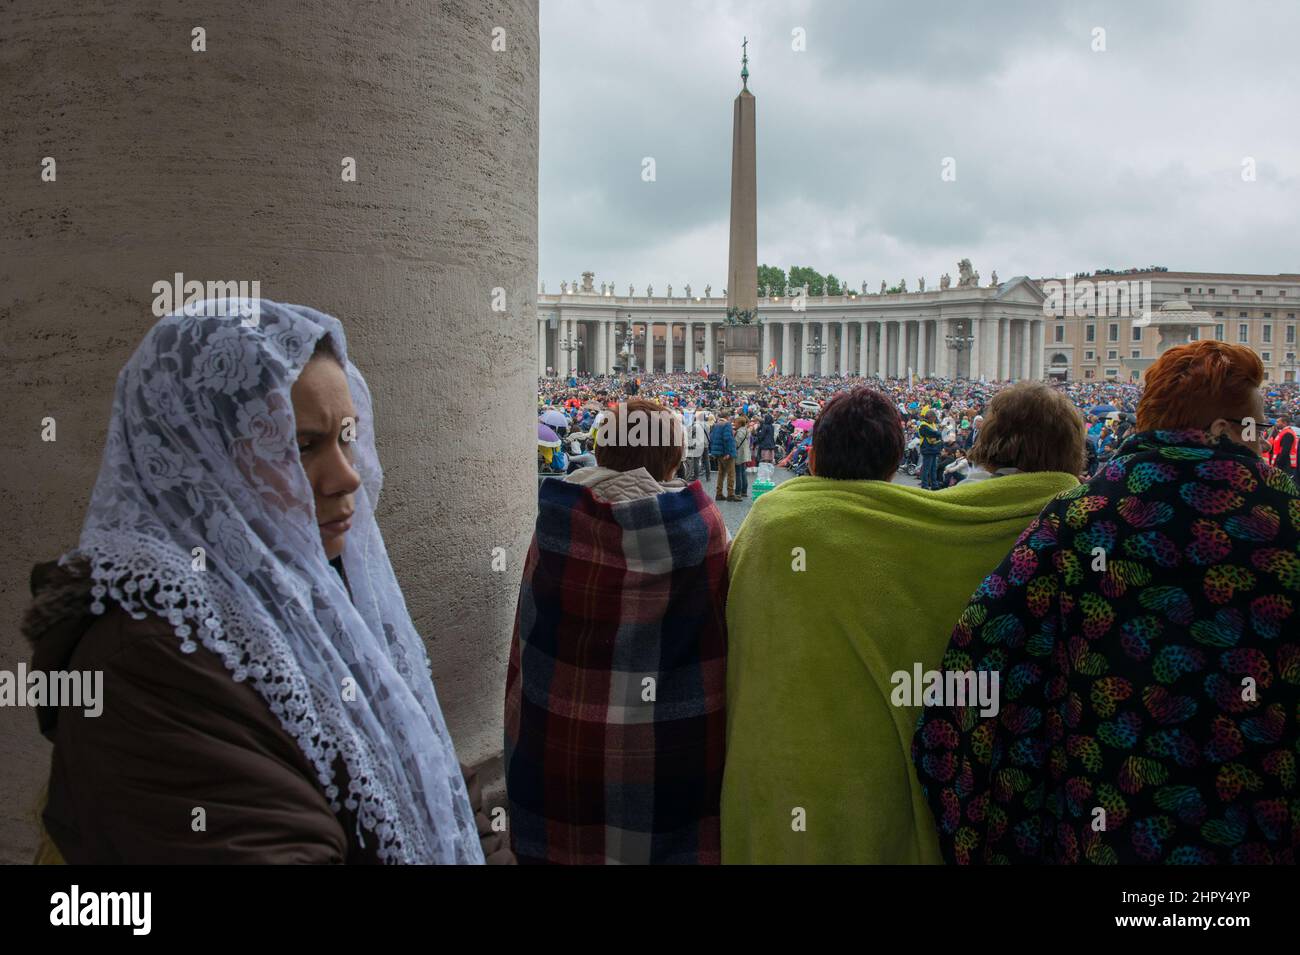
(992, 348)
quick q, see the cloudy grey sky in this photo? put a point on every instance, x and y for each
(1066, 159)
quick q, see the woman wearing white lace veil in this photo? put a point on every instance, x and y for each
(266, 695)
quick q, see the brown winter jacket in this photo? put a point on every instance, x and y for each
(176, 734)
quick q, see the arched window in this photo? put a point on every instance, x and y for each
(1060, 359)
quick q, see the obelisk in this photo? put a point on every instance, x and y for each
(740, 358)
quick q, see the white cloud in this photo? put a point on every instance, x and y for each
(1066, 159)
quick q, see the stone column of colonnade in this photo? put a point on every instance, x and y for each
(940, 367)
(137, 199)
(989, 360)
(1004, 348)
(1026, 350)
(561, 354)
(1036, 366)
(541, 349)
(648, 347)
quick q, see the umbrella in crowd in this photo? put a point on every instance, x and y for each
(554, 419)
(1101, 409)
(546, 437)
(802, 424)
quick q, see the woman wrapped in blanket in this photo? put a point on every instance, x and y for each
(614, 694)
(869, 575)
(267, 697)
(1145, 629)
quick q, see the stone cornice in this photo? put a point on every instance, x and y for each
(774, 306)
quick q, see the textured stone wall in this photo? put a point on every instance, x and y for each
(226, 164)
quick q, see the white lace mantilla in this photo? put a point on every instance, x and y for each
(203, 516)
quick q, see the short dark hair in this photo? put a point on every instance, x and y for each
(858, 436)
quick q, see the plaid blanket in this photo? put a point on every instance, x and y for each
(615, 692)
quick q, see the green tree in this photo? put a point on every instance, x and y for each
(773, 277)
(833, 285)
(800, 275)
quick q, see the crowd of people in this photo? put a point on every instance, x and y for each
(1052, 661)
(1087, 651)
(941, 421)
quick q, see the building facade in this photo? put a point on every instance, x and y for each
(994, 332)
(1106, 339)
(1085, 327)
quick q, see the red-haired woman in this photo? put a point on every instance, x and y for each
(1146, 628)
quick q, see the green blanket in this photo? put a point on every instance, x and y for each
(818, 767)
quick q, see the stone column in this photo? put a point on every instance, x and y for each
(863, 367)
(787, 348)
(144, 193)
(941, 355)
(1004, 348)
(974, 349)
(708, 347)
(764, 349)
(688, 349)
(844, 347)
(1026, 350)
(1036, 359)
(989, 362)
(541, 348)
(923, 348)
(879, 342)
(613, 344)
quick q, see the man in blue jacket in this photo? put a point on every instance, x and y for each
(722, 449)
(931, 445)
